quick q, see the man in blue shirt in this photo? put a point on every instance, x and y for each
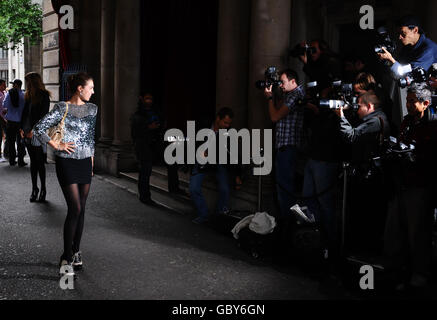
(14, 104)
(418, 50)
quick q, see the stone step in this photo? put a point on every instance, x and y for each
(244, 200)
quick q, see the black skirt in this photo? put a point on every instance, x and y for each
(72, 171)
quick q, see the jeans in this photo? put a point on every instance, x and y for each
(12, 137)
(320, 178)
(196, 190)
(286, 165)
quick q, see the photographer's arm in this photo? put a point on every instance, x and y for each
(352, 135)
(275, 114)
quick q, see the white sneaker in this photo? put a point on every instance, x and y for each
(77, 261)
(3, 160)
(307, 217)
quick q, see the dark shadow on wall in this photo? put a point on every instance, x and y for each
(179, 57)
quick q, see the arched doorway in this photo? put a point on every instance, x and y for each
(179, 45)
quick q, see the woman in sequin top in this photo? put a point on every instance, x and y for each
(74, 159)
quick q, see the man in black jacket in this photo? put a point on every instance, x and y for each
(147, 136)
(408, 236)
(367, 203)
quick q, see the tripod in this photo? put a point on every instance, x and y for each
(344, 215)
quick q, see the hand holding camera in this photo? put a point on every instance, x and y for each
(385, 55)
(268, 92)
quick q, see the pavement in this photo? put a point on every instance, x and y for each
(130, 251)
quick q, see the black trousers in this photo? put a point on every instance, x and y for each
(366, 215)
(12, 137)
(144, 178)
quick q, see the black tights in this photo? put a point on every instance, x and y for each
(75, 196)
(37, 165)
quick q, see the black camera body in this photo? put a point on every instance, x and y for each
(418, 75)
(383, 40)
(272, 78)
(396, 150)
(311, 94)
(300, 50)
(342, 97)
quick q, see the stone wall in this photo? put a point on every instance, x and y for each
(50, 51)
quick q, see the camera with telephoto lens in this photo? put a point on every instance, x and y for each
(311, 94)
(342, 97)
(417, 75)
(383, 40)
(300, 50)
(272, 78)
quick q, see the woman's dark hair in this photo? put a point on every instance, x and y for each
(15, 97)
(365, 81)
(35, 88)
(76, 80)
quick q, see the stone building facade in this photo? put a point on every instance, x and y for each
(194, 60)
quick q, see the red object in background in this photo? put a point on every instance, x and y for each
(64, 48)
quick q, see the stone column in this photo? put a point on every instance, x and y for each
(298, 34)
(233, 58)
(270, 37)
(104, 154)
(126, 82)
(107, 71)
(127, 67)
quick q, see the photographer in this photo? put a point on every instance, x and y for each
(365, 138)
(325, 151)
(320, 63)
(418, 50)
(408, 236)
(366, 201)
(289, 120)
(365, 82)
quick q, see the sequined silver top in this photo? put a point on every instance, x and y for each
(80, 125)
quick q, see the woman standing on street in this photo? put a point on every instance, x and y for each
(37, 104)
(74, 158)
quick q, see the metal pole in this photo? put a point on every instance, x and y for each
(343, 224)
(260, 184)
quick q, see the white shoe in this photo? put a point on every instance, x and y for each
(77, 261)
(307, 217)
(2, 160)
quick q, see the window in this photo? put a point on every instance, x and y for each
(4, 75)
(3, 53)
